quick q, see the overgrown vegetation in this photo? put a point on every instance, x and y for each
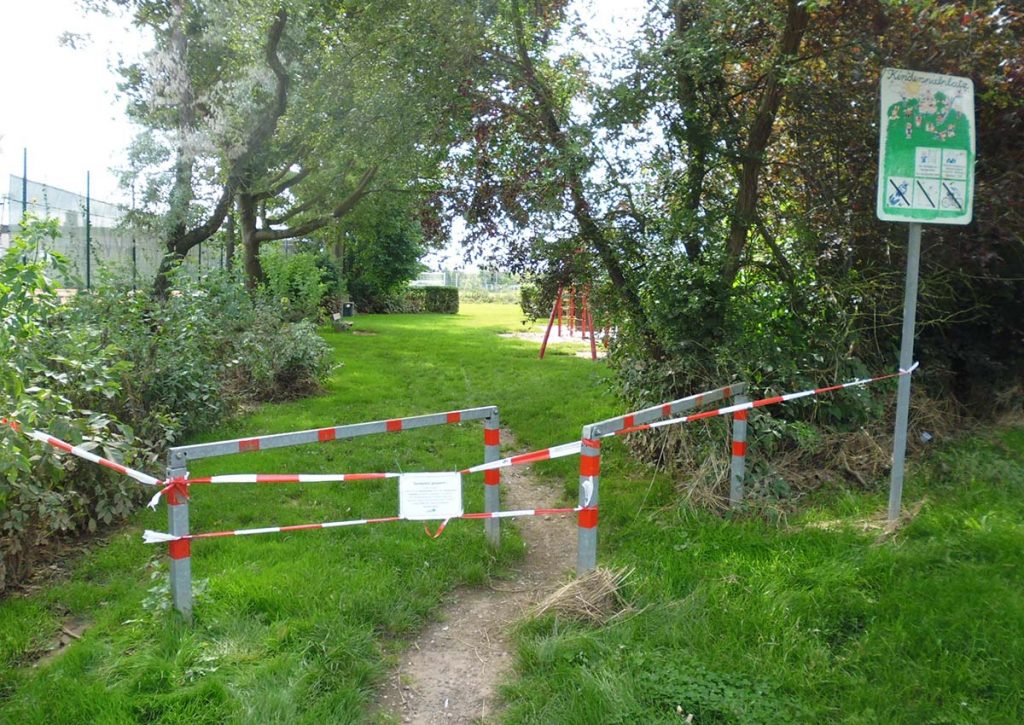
(808, 618)
(127, 375)
(722, 202)
(817, 618)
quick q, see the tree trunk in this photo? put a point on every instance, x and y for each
(747, 195)
(180, 238)
(571, 165)
(250, 244)
(229, 244)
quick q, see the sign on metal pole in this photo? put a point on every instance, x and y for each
(925, 175)
(926, 150)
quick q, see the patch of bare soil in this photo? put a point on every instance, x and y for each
(451, 672)
(71, 630)
(555, 339)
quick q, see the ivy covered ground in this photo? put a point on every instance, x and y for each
(809, 618)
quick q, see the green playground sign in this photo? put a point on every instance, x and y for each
(926, 148)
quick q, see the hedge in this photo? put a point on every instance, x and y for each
(435, 299)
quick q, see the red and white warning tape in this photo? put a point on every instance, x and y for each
(46, 438)
(180, 485)
(730, 409)
(566, 449)
(158, 537)
(560, 451)
(285, 478)
(572, 449)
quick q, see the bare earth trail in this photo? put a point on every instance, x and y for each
(450, 673)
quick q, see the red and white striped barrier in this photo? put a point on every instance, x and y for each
(158, 537)
(545, 454)
(180, 455)
(285, 478)
(739, 407)
(180, 485)
(574, 448)
(47, 439)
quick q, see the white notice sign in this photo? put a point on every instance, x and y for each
(429, 496)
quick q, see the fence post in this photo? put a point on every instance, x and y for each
(590, 476)
(88, 231)
(492, 479)
(179, 551)
(739, 453)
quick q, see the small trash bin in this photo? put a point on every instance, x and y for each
(348, 309)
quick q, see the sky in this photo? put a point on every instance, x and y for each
(62, 105)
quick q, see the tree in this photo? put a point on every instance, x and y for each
(187, 95)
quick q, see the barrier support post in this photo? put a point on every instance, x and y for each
(179, 551)
(492, 479)
(590, 476)
(738, 465)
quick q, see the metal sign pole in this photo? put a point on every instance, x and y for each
(926, 152)
(899, 443)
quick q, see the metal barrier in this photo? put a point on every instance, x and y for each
(590, 458)
(179, 458)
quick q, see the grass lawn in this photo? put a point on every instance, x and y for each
(738, 621)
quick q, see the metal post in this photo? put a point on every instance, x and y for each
(179, 551)
(738, 465)
(24, 183)
(492, 479)
(88, 232)
(899, 442)
(590, 477)
(135, 261)
(558, 307)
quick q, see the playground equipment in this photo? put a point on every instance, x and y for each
(578, 317)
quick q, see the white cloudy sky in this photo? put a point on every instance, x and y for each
(62, 105)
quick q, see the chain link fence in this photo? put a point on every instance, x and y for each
(96, 237)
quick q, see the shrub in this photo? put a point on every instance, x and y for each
(436, 299)
(534, 302)
(281, 360)
(296, 283)
(41, 492)
(127, 375)
(180, 350)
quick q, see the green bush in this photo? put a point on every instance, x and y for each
(42, 492)
(296, 283)
(281, 360)
(534, 302)
(180, 350)
(124, 374)
(435, 299)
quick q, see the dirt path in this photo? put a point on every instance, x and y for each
(451, 672)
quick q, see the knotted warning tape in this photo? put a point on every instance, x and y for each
(158, 537)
